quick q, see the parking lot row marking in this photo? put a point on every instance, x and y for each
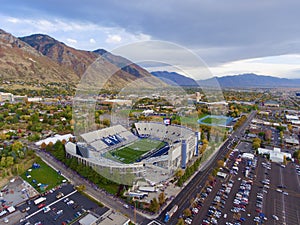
(282, 199)
(36, 212)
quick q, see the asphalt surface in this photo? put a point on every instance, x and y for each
(195, 185)
(105, 198)
(182, 199)
(81, 204)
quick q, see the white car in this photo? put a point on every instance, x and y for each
(70, 202)
(46, 209)
(188, 221)
(275, 217)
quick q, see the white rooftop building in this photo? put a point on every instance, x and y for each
(275, 155)
(54, 139)
(247, 156)
(291, 117)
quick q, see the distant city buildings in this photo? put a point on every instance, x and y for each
(6, 97)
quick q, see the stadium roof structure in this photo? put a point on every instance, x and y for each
(97, 138)
(123, 157)
(170, 133)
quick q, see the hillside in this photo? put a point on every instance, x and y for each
(20, 62)
(79, 61)
(173, 78)
(40, 58)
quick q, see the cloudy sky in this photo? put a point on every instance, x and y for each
(231, 37)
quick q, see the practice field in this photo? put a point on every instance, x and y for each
(213, 120)
(42, 178)
(132, 152)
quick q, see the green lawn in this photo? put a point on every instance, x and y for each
(132, 152)
(44, 175)
(191, 119)
(210, 120)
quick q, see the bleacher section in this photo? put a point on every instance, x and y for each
(108, 138)
(170, 134)
(179, 151)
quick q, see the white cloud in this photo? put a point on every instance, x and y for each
(64, 30)
(113, 39)
(71, 41)
(92, 41)
(280, 66)
(12, 20)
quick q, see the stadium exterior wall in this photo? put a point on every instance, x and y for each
(116, 171)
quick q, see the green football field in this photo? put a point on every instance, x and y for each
(44, 175)
(130, 153)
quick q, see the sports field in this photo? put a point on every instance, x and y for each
(132, 152)
(214, 120)
(44, 175)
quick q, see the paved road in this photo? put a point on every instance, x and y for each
(195, 185)
(182, 199)
(108, 200)
(190, 191)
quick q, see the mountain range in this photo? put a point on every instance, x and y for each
(233, 81)
(173, 78)
(40, 58)
(252, 81)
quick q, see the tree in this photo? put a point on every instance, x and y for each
(106, 122)
(180, 222)
(161, 198)
(296, 154)
(290, 128)
(17, 146)
(43, 145)
(80, 188)
(9, 161)
(220, 163)
(284, 160)
(2, 136)
(192, 201)
(154, 205)
(187, 212)
(256, 143)
(3, 161)
(281, 136)
(179, 173)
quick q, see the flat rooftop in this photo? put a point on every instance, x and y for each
(113, 218)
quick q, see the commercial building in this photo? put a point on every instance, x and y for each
(275, 155)
(109, 218)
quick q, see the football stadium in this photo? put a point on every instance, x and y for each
(124, 156)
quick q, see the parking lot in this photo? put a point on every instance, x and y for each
(62, 205)
(268, 193)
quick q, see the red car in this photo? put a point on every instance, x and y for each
(41, 205)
